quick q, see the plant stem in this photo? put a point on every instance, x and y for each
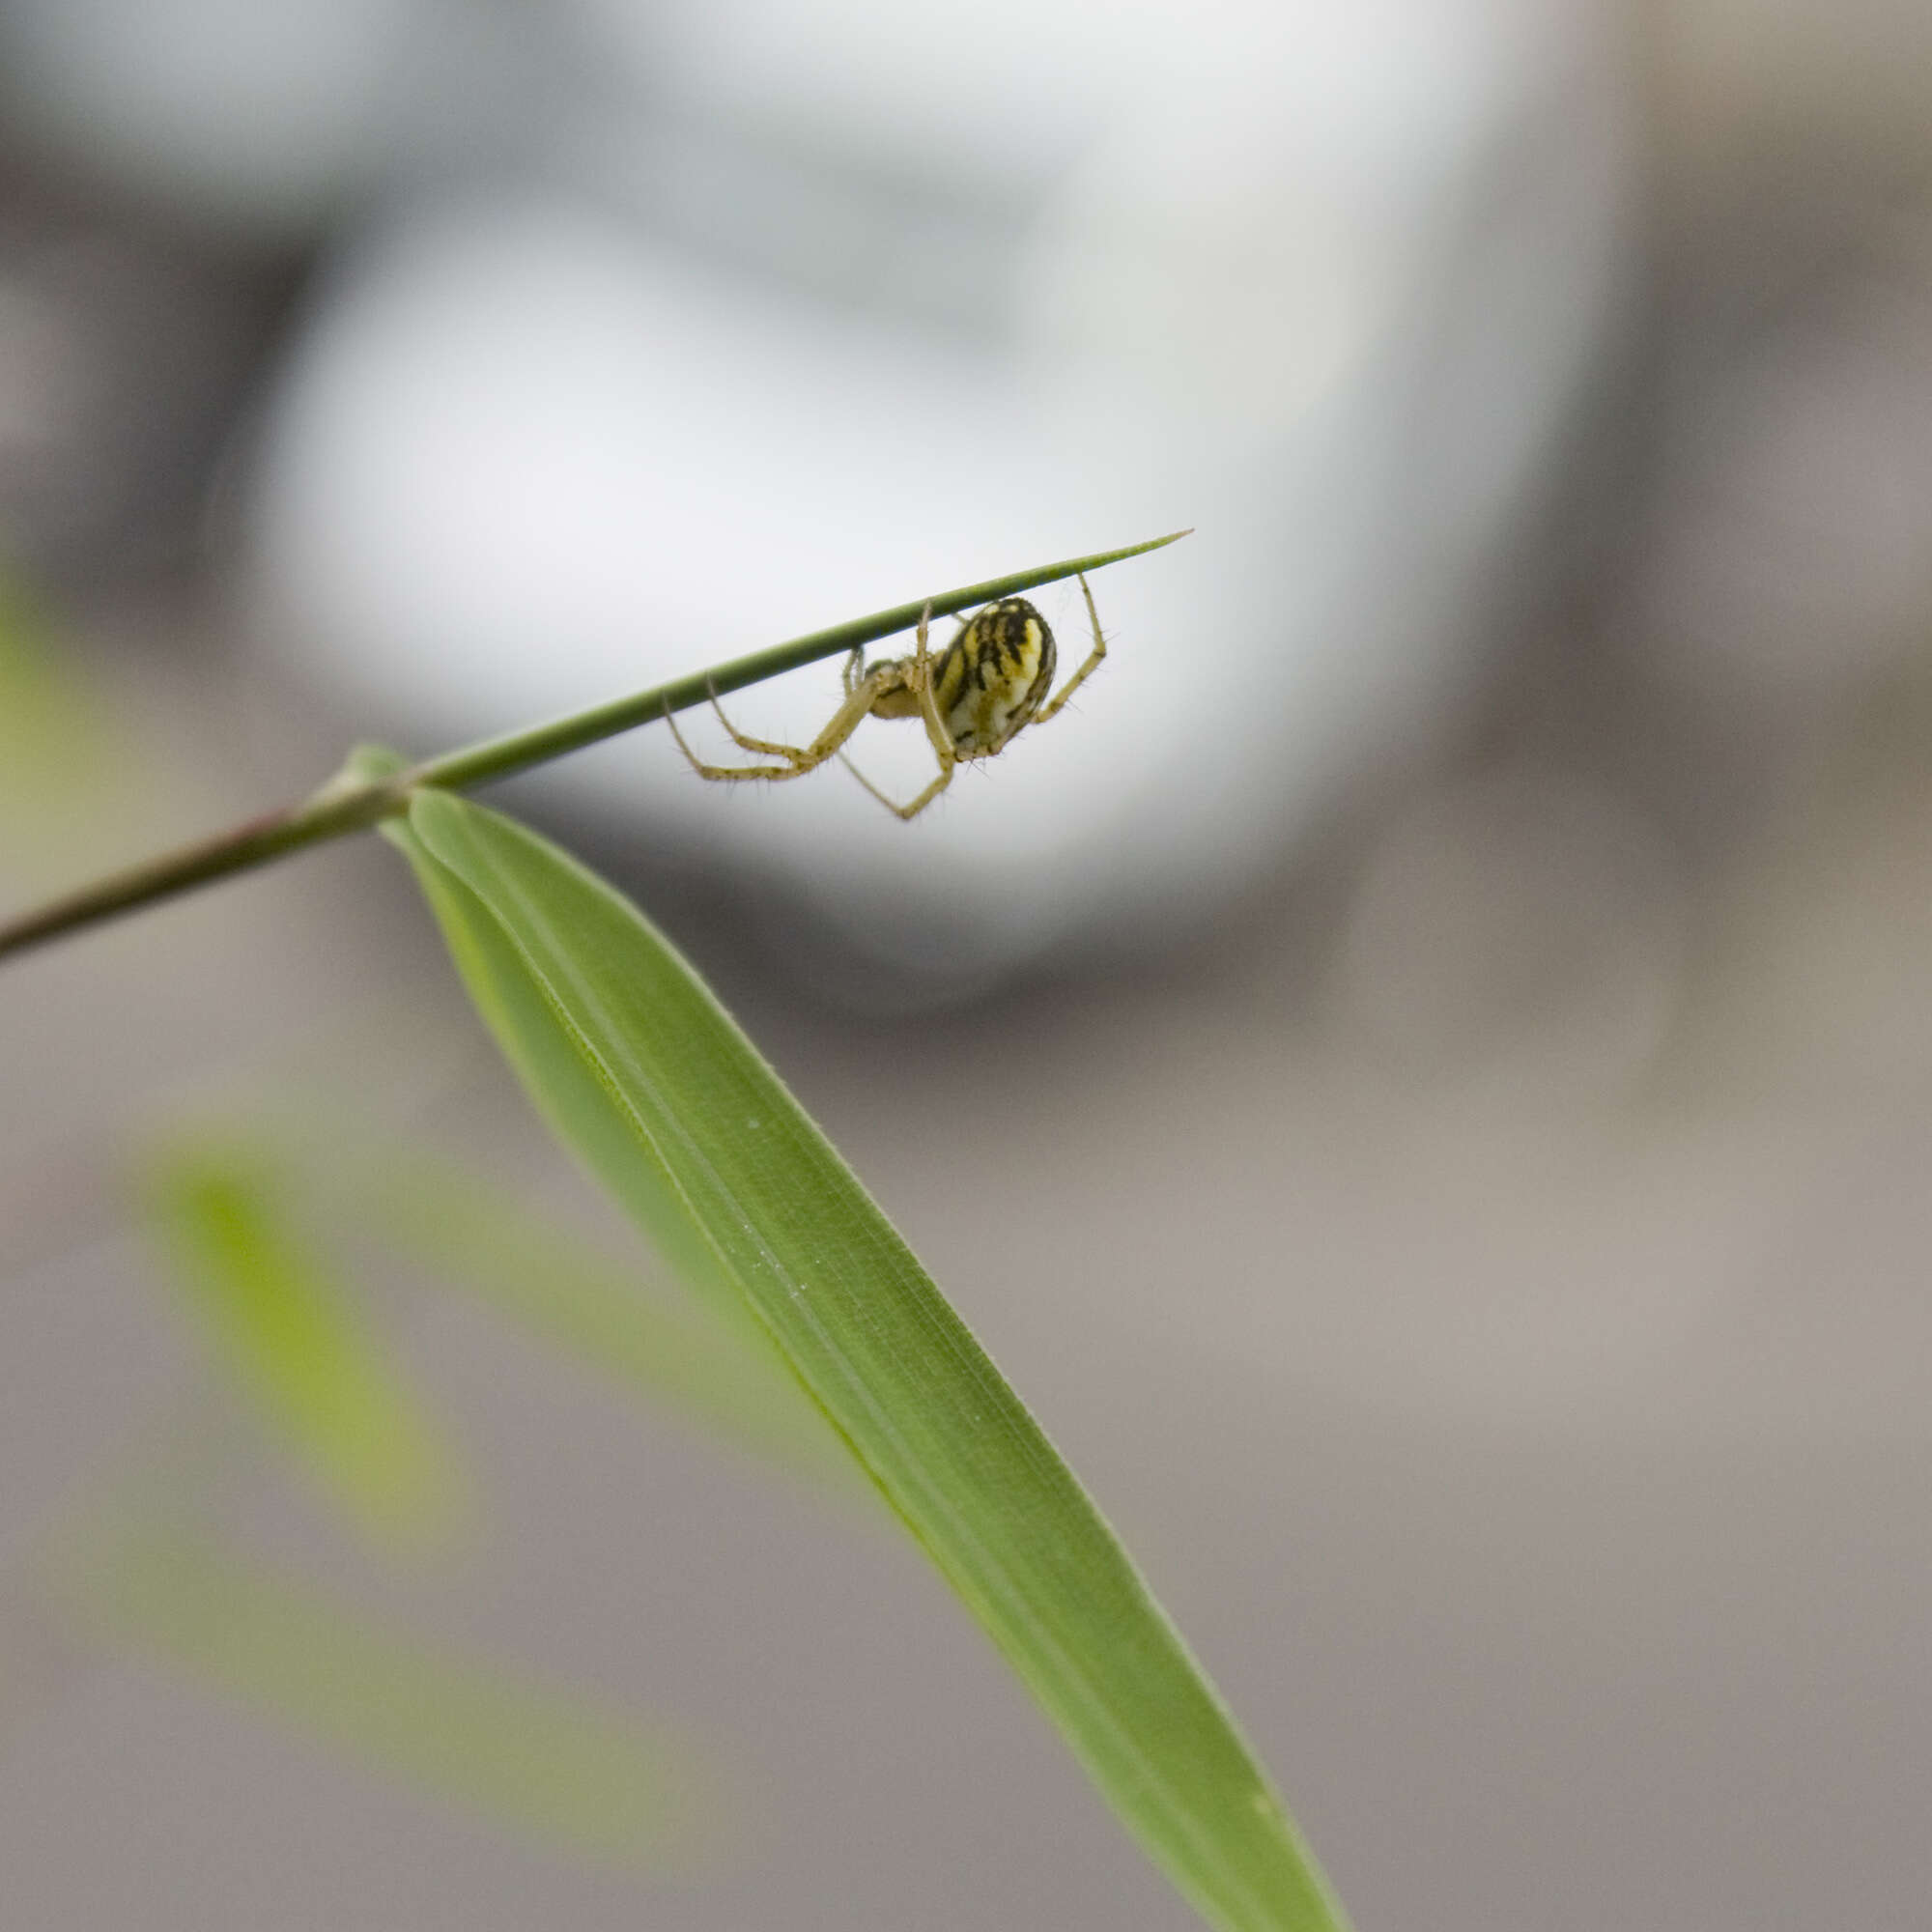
(352, 803)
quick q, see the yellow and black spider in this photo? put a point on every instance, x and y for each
(973, 697)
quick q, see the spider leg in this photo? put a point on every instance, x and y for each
(919, 804)
(1093, 661)
(791, 754)
(705, 771)
(799, 760)
(935, 731)
(937, 735)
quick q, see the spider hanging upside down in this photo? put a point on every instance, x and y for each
(973, 697)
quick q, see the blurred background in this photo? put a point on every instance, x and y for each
(1458, 979)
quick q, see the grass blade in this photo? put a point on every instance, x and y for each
(588, 1001)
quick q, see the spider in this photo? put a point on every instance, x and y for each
(973, 697)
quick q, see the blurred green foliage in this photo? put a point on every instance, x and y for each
(291, 1335)
(548, 1762)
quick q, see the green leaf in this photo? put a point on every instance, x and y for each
(544, 1761)
(638, 1066)
(292, 1337)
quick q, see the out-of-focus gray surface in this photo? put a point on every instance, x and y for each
(1486, 1280)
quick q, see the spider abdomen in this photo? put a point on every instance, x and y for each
(993, 675)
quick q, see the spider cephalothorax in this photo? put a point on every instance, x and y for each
(986, 686)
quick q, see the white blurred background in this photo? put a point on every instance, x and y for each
(1459, 977)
